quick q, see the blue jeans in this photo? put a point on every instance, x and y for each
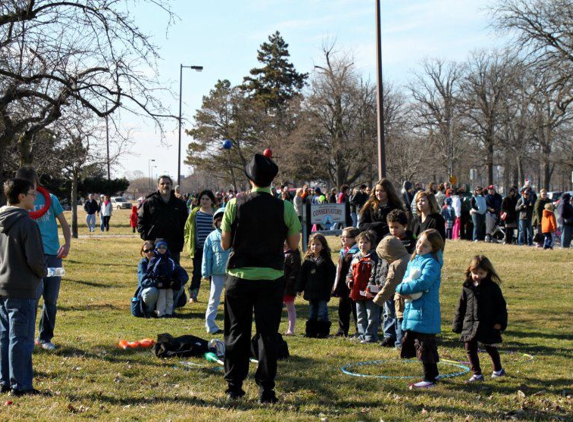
(354, 217)
(399, 333)
(318, 309)
(566, 232)
(525, 234)
(91, 221)
(389, 324)
(479, 226)
(17, 318)
(49, 289)
(217, 284)
(150, 296)
(368, 315)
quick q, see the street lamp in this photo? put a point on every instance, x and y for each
(181, 67)
(149, 170)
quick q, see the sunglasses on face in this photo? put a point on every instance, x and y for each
(148, 250)
(161, 247)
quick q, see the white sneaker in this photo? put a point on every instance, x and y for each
(48, 345)
(422, 384)
(497, 374)
(476, 378)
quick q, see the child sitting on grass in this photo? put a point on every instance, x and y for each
(168, 276)
(362, 284)
(481, 315)
(315, 279)
(22, 265)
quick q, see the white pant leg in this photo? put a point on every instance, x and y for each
(169, 301)
(162, 302)
(217, 284)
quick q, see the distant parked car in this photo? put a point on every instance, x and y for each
(554, 196)
(120, 203)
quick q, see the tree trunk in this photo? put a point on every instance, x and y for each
(74, 200)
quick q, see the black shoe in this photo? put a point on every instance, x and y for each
(219, 331)
(341, 334)
(268, 397)
(234, 394)
(20, 393)
(5, 389)
(388, 342)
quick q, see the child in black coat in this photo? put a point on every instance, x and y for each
(481, 315)
(316, 278)
(292, 268)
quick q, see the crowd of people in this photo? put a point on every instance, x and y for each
(386, 278)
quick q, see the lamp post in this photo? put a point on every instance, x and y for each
(149, 170)
(181, 67)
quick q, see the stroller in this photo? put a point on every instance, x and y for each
(493, 231)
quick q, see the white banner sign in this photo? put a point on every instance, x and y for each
(327, 214)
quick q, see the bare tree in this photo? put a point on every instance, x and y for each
(544, 30)
(340, 118)
(436, 90)
(55, 54)
(484, 88)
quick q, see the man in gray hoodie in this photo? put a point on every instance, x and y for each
(22, 265)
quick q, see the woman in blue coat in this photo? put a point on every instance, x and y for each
(422, 317)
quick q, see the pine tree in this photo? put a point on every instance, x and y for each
(277, 81)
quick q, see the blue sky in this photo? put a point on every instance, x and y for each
(223, 36)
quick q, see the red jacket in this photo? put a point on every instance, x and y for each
(361, 269)
(133, 217)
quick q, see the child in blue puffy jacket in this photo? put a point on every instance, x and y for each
(213, 266)
(422, 317)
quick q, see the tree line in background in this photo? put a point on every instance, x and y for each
(69, 69)
(505, 113)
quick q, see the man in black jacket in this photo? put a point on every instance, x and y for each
(163, 215)
(91, 207)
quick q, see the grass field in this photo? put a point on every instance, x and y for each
(89, 377)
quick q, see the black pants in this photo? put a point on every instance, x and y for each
(424, 348)
(346, 306)
(242, 296)
(472, 349)
(196, 277)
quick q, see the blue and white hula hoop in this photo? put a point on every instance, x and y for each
(348, 369)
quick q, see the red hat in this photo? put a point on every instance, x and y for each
(491, 187)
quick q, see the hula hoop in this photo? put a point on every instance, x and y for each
(48, 201)
(507, 352)
(346, 369)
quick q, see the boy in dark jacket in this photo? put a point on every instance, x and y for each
(22, 265)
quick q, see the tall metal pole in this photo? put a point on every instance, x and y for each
(107, 143)
(380, 97)
(198, 69)
(179, 145)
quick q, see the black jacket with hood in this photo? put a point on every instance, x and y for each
(22, 262)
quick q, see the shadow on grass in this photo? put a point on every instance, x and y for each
(89, 283)
(92, 307)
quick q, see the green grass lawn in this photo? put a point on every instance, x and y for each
(90, 377)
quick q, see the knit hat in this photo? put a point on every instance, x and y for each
(218, 214)
(161, 242)
(449, 201)
(261, 170)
